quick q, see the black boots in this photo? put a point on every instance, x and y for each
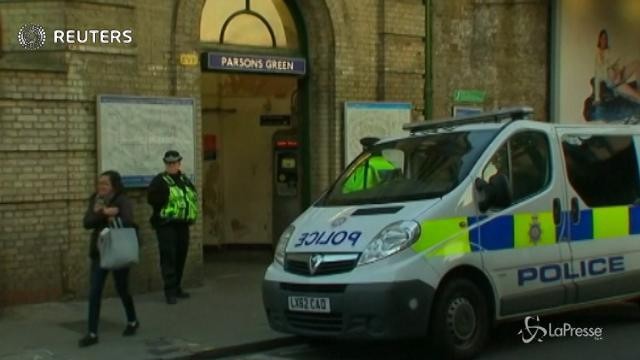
(88, 340)
(92, 339)
(131, 329)
(171, 299)
(183, 294)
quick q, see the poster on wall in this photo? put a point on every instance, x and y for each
(135, 131)
(377, 119)
(596, 61)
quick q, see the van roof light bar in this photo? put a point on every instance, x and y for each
(511, 114)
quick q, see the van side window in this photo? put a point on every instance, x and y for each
(525, 160)
(603, 170)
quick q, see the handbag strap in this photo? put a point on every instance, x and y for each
(116, 223)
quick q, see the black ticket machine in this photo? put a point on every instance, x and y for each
(286, 180)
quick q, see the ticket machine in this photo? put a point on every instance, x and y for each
(287, 180)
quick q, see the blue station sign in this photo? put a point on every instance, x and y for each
(256, 63)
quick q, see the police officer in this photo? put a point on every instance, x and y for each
(369, 174)
(175, 207)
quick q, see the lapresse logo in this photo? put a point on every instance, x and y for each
(534, 331)
(34, 36)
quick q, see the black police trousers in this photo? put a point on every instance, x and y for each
(173, 243)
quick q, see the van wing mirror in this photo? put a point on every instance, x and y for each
(495, 193)
(484, 203)
(502, 190)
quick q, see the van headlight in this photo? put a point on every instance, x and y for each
(392, 239)
(282, 244)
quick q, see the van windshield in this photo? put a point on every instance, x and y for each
(421, 167)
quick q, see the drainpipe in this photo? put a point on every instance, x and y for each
(428, 71)
(173, 60)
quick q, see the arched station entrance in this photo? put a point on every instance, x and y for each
(252, 84)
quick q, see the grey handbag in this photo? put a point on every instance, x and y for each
(118, 246)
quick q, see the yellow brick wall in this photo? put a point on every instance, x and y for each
(499, 46)
(364, 50)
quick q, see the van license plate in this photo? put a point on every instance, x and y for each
(309, 304)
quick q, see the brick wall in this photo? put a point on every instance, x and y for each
(48, 138)
(35, 201)
(403, 56)
(359, 50)
(499, 46)
(379, 56)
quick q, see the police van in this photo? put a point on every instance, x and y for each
(470, 221)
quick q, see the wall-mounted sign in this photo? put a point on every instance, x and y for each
(134, 132)
(209, 146)
(189, 59)
(469, 96)
(256, 63)
(460, 111)
(378, 119)
(275, 120)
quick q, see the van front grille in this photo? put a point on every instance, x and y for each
(325, 264)
(315, 322)
(313, 288)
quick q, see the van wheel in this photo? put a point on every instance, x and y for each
(460, 322)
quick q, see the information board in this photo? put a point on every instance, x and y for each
(377, 119)
(135, 132)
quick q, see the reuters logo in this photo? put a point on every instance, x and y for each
(31, 36)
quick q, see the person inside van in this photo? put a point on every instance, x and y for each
(368, 174)
(372, 172)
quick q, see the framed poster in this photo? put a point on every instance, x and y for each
(134, 132)
(377, 119)
(595, 55)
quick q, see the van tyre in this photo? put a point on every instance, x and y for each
(460, 321)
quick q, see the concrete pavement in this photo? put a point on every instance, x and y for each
(225, 312)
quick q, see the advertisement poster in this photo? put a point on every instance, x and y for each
(596, 61)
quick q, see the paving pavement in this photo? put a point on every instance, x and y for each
(225, 312)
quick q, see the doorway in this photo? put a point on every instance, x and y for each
(237, 129)
(253, 65)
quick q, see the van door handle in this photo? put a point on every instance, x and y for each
(557, 211)
(575, 210)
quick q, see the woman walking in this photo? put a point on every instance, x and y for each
(106, 204)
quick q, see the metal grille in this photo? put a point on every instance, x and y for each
(316, 322)
(314, 288)
(330, 264)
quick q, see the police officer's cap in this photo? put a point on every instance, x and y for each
(171, 156)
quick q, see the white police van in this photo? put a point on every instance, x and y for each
(472, 221)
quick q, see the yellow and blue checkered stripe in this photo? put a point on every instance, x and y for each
(512, 231)
(606, 223)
